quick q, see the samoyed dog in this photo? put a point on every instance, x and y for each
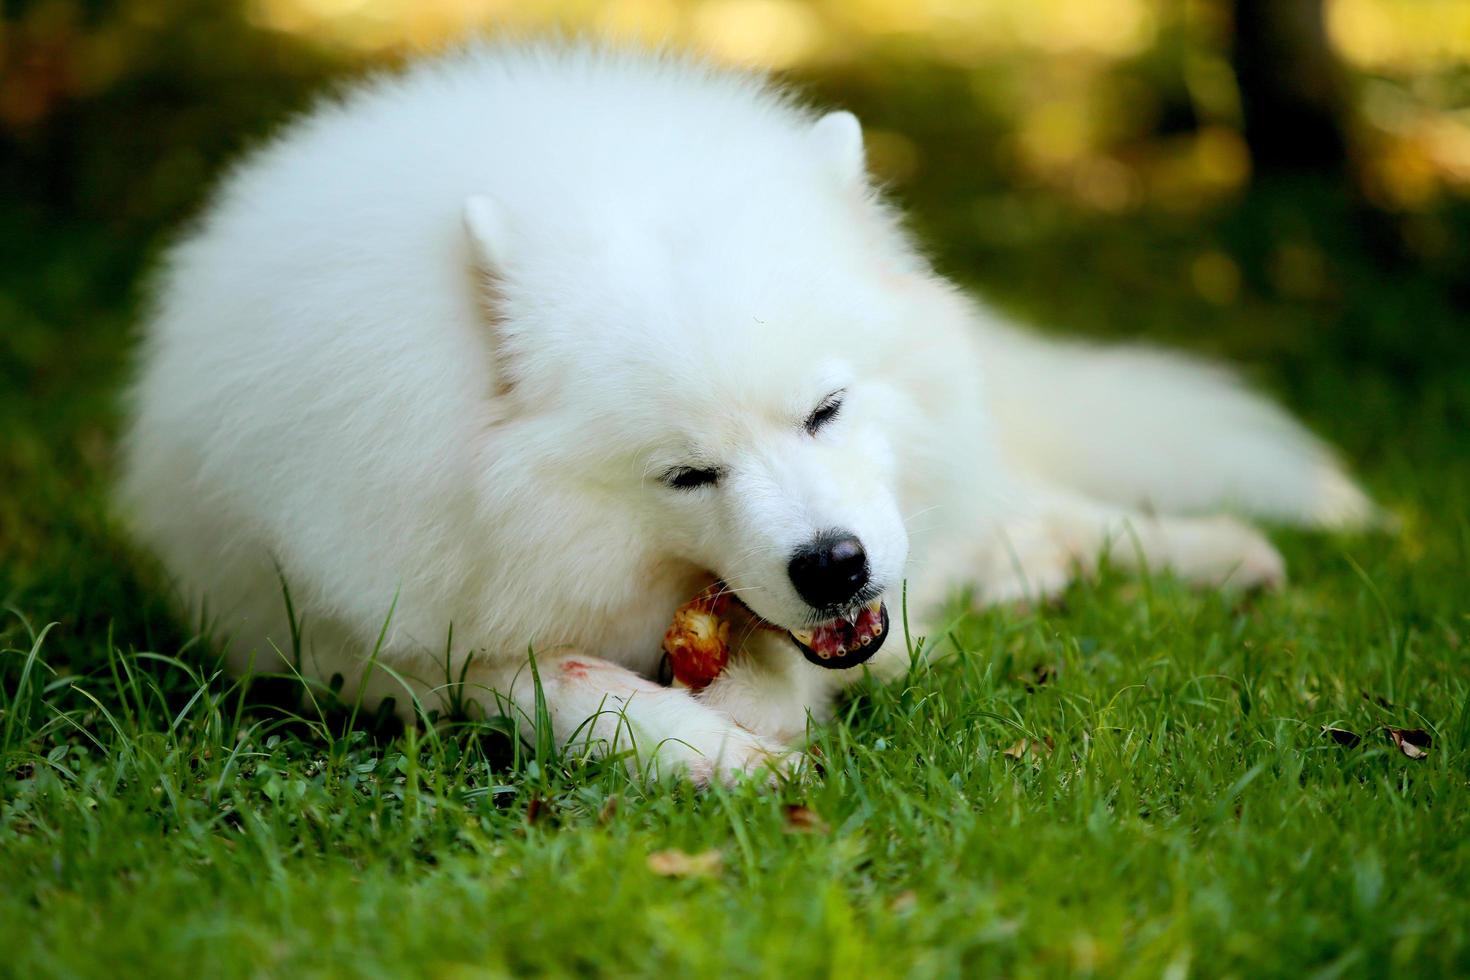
(498, 362)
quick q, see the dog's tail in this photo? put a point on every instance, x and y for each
(1142, 427)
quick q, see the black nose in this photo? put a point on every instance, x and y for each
(830, 570)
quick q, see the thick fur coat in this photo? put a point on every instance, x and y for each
(531, 342)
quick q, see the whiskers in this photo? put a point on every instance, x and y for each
(740, 567)
(753, 623)
(907, 521)
(726, 590)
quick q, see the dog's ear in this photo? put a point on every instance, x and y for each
(489, 232)
(839, 136)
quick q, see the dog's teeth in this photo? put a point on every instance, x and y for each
(867, 641)
(804, 637)
(876, 607)
(878, 628)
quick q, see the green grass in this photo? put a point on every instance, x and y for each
(1189, 815)
(160, 818)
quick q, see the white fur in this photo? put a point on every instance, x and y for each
(433, 349)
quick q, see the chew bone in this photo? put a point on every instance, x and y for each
(697, 642)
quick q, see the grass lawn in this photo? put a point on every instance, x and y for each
(1184, 813)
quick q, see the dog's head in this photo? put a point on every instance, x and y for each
(779, 477)
(722, 349)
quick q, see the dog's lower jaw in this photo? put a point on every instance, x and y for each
(843, 644)
(770, 689)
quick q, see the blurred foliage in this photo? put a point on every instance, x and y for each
(1108, 132)
(121, 113)
(123, 108)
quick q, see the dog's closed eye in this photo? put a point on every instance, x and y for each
(691, 477)
(825, 412)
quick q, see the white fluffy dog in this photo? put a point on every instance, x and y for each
(528, 344)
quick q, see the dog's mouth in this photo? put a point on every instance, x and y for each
(842, 642)
(845, 641)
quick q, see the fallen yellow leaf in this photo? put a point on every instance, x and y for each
(1031, 747)
(677, 864)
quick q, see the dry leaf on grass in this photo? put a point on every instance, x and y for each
(1412, 742)
(677, 864)
(1342, 736)
(804, 820)
(1029, 747)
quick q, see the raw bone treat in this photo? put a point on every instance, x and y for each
(697, 643)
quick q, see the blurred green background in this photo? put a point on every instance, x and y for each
(1286, 184)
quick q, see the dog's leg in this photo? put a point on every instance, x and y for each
(1216, 551)
(1034, 555)
(598, 707)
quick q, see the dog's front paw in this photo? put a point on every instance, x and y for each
(728, 756)
(1261, 565)
(600, 709)
(1227, 553)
